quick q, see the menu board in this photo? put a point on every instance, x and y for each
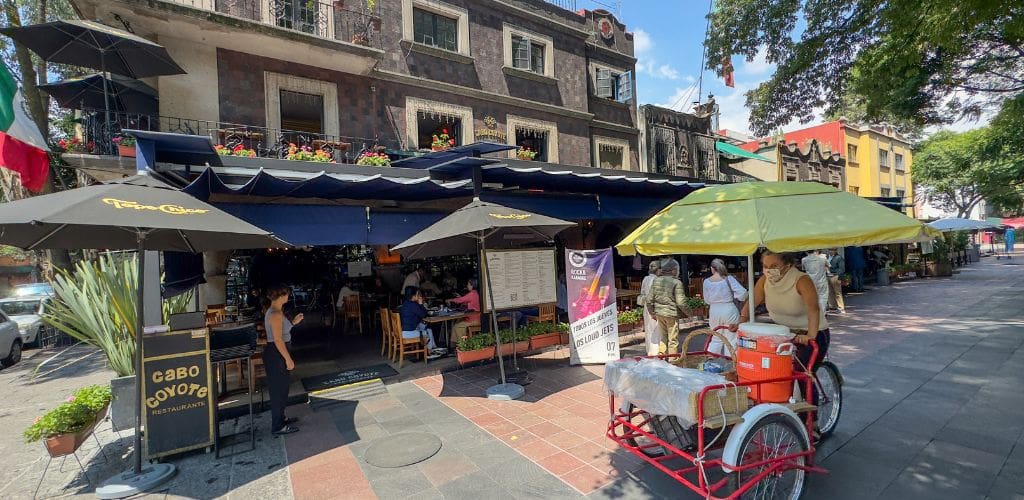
(520, 278)
(178, 401)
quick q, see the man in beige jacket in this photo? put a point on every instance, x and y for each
(667, 300)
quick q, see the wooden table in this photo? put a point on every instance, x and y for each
(444, 320)
(626, 297)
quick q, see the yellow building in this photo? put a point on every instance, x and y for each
(878, 163)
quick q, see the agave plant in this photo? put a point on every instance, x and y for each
(95, 303)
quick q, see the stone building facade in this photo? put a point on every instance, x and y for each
(808, 162)
(522, 72)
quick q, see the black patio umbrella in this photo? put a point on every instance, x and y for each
(476, 227)
(137, 213)
(125, 94)
(93, 45)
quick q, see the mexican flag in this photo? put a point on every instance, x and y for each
(22, 147)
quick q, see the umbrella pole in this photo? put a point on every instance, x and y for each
(106, 101)
(139, 327)
(504, 391)
(750, 287)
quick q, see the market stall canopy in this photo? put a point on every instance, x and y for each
(500, 227)
(737, 219)
(1015, 222)
(125, 94)
(959, 224)
(731, 150)
(124, 214)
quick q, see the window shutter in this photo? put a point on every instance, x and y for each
(520, 53)
(604, 83)
(625, 86)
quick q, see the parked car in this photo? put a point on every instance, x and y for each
(27, 289)
(27, 312)
(10, 341)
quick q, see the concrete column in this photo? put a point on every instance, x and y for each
(214, 267)
(152, 310)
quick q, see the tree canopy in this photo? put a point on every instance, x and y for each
(909, 62)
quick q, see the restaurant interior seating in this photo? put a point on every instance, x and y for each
(546, 312)
(406, 347)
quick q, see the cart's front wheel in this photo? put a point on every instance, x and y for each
(645, 445)
(830, 397)
(762, 446)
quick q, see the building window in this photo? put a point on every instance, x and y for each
(535, 135)
(883, 158)
(886, 192)
(613, 84)
(898, 162)
(527, 55)
(436, 24)
(661, 151)
(430, 28)
(425, 119)
(528, 51)
(298, 15)
(901, 193)
(611, 153)
(301, 105)
(851, 153)
(854, 189)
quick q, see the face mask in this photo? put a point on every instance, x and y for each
(774, 275)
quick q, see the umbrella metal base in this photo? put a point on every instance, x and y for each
(129, 483)
(505, 392)
(519, 377)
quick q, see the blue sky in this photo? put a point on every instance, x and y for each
(668, 42)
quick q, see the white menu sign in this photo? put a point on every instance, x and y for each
(520, 278)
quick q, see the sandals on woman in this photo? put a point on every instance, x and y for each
(287, 429)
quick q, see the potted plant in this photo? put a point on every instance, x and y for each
(526, 154)
(939, 263)
(64, 428)
(371, 159)
(125, 146)
(518, 341)
(698, 308)
(95, 304)
(441, 142)
(476, 348)
(306, 153)
(563, 333)
(629, 319)
(543, 335)
(237, 150)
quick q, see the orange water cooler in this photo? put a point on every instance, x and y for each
(764, 352)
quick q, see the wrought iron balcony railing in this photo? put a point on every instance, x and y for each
(331, 19)
(98, 136)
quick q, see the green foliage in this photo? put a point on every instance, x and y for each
(910, 61)
(74, 414)
(507, 336)
(631, 316)
(940, 249)
(13, 252)
(475, 342)
(695, 302)
(563, 327)
(959, 241)
(96, 304)
(541, 328)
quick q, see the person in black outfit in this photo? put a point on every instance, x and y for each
(277, 360)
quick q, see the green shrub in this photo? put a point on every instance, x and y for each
(478, 341)
(631, 316)
(74, 414)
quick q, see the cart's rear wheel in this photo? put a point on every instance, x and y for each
(644, 421)
(772, 437)
(830, 397)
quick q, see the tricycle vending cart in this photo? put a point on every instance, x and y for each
(708, 437)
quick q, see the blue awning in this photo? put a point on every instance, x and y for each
(436, 158)
(569, 180)
(331, 186)
(592, 207)
(313, 225)
(176, 148)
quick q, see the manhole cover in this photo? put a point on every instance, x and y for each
(402, 449)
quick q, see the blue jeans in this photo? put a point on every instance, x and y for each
(421, 329)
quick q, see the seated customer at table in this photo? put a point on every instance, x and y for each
(471, 301)
(412, 313)
(346, 291)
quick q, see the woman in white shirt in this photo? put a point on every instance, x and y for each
(650, 324)
(719, 292)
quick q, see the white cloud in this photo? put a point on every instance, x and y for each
(733, 111)
(681, 98)
(642, 43)
(667, 72)
(758, 66)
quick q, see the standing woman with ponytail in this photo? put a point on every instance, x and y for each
(277, 359)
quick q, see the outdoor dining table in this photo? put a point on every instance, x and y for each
(626, 297)
(444, 320)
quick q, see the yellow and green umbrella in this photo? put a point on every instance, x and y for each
(738, 219)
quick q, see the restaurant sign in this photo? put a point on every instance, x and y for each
(490, 131)
(593, 318)
(178, 404)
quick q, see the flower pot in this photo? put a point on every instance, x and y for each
(563, 338)
(66, 444)
(520, 346)
(439, 148)
(122, 407)
(939, 268)
(126, 151)
(544, 340)
(360, 39)
(465, 357)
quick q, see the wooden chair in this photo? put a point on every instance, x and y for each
(352, 309)
(635, 286)
(545, 312)
(386, 340)
(215, 314)
(405, 346)
(472, 330)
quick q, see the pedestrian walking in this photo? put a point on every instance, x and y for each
(668, 300)
(651, 336)
(816, 266)
(277, 359)
(721, 292)
(856, 264)
(836, 269)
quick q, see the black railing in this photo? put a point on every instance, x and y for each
(338, 19)
(99, 136)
